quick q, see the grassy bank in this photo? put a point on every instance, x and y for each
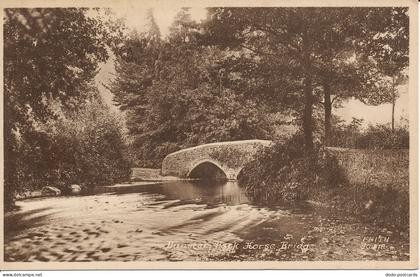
(388, 207)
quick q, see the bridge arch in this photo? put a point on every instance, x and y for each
(207, 169)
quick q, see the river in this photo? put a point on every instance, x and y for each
(186, 221)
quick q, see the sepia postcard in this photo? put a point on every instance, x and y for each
(209, 134)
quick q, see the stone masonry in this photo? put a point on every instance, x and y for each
(229, 156)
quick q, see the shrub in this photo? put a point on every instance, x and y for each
(286, 171)
(383, 137)
(88, 148)
(345, 135)
(379, 136)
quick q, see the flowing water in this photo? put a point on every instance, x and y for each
(186, 221)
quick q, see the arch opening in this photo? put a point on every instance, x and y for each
(207, 170)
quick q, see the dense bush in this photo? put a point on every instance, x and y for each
(85, 147)
(345, 134)
(88, 147)
(383, 137)
(379, 136)
(286, 171)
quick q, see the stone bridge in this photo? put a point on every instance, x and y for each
(213, 160)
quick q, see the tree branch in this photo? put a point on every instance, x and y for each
(258, 51)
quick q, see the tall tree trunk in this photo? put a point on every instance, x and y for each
(393, 105)
(393, 114)
(307, 114)
(327, 113)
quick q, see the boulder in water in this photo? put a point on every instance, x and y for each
(75, 189)
(50, 191)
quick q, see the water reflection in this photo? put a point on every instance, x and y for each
(197, 191)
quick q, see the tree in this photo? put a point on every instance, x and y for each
(50, 54)
(376, 41)
(50, 58)
(285, 38)
(315, 53)
(152, 27)
(398, 79)
(389, 49)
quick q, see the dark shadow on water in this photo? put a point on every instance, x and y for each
(19, 221)
(206, 191)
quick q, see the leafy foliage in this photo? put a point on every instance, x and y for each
(299, 57)
(383, 137)
(345, 135)
(86, 147)
(174, 95)
(379, 136)
(49, 55)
